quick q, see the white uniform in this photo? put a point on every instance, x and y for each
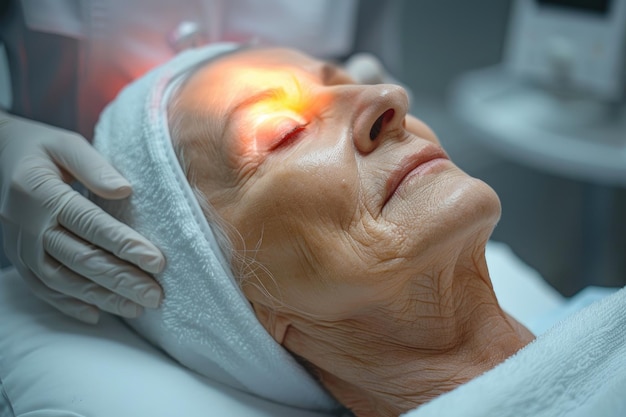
(69, 58)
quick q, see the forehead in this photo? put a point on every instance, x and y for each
(223, 80)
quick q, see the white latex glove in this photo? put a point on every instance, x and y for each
(71, 253)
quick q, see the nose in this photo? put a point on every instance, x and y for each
(380, 113)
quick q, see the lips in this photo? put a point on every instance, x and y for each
(412, 163)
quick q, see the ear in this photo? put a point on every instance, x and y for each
(275, 323)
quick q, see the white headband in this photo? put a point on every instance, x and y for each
(204, 321)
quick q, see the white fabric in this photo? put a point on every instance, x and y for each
(52, 365)
(538, 309)
(577, 368)
(204, 321)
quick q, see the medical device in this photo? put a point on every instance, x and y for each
(576, 45)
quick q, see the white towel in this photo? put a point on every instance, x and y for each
(204, 322)
(577, 368)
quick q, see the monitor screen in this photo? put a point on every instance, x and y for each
(594, 6)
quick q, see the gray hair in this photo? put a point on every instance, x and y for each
(177, 118)
(243, 263)
(181, 123)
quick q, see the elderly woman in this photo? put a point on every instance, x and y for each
(362, 245)
(334, 218)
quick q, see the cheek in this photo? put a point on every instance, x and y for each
(318, 182)
(295, 211)
(445, 210)
(323, 251)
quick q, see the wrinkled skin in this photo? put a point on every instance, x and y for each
(376, 279)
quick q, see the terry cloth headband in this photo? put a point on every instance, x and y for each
(204, 321)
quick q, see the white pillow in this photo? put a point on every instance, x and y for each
(522, 291)
(51, 365)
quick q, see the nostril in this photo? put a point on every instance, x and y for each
(380, 122)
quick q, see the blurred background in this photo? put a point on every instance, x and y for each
(571, 230)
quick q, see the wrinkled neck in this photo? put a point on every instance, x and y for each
(423, 343)
(402, 378)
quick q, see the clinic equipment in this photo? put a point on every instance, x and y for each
(570, 44)
(553, 103)
(556, 103)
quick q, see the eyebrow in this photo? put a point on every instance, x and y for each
(327, 72)
(258, 97)
(263, 95)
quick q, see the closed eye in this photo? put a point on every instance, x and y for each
(289, 137)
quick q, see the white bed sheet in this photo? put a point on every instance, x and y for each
(53, 366)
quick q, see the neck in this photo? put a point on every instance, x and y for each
(397, 356)
(392, 379)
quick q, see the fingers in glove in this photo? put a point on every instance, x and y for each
(88, 221)
(90, 168)
(67, 305)
(66, 281)
(102, 268)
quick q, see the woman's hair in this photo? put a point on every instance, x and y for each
(190, 132)
(187, 127)
(178, 121)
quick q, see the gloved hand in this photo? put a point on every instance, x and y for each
(71, 253)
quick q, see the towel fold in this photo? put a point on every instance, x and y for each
(575, 369)
(204, 321)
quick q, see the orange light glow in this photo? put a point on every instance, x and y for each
(270, 103)
(279, 102)
(284, 91)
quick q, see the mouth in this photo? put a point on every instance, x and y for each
(421, 163)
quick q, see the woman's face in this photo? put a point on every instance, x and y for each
(338, 195)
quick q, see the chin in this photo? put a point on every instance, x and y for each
(449, 207)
